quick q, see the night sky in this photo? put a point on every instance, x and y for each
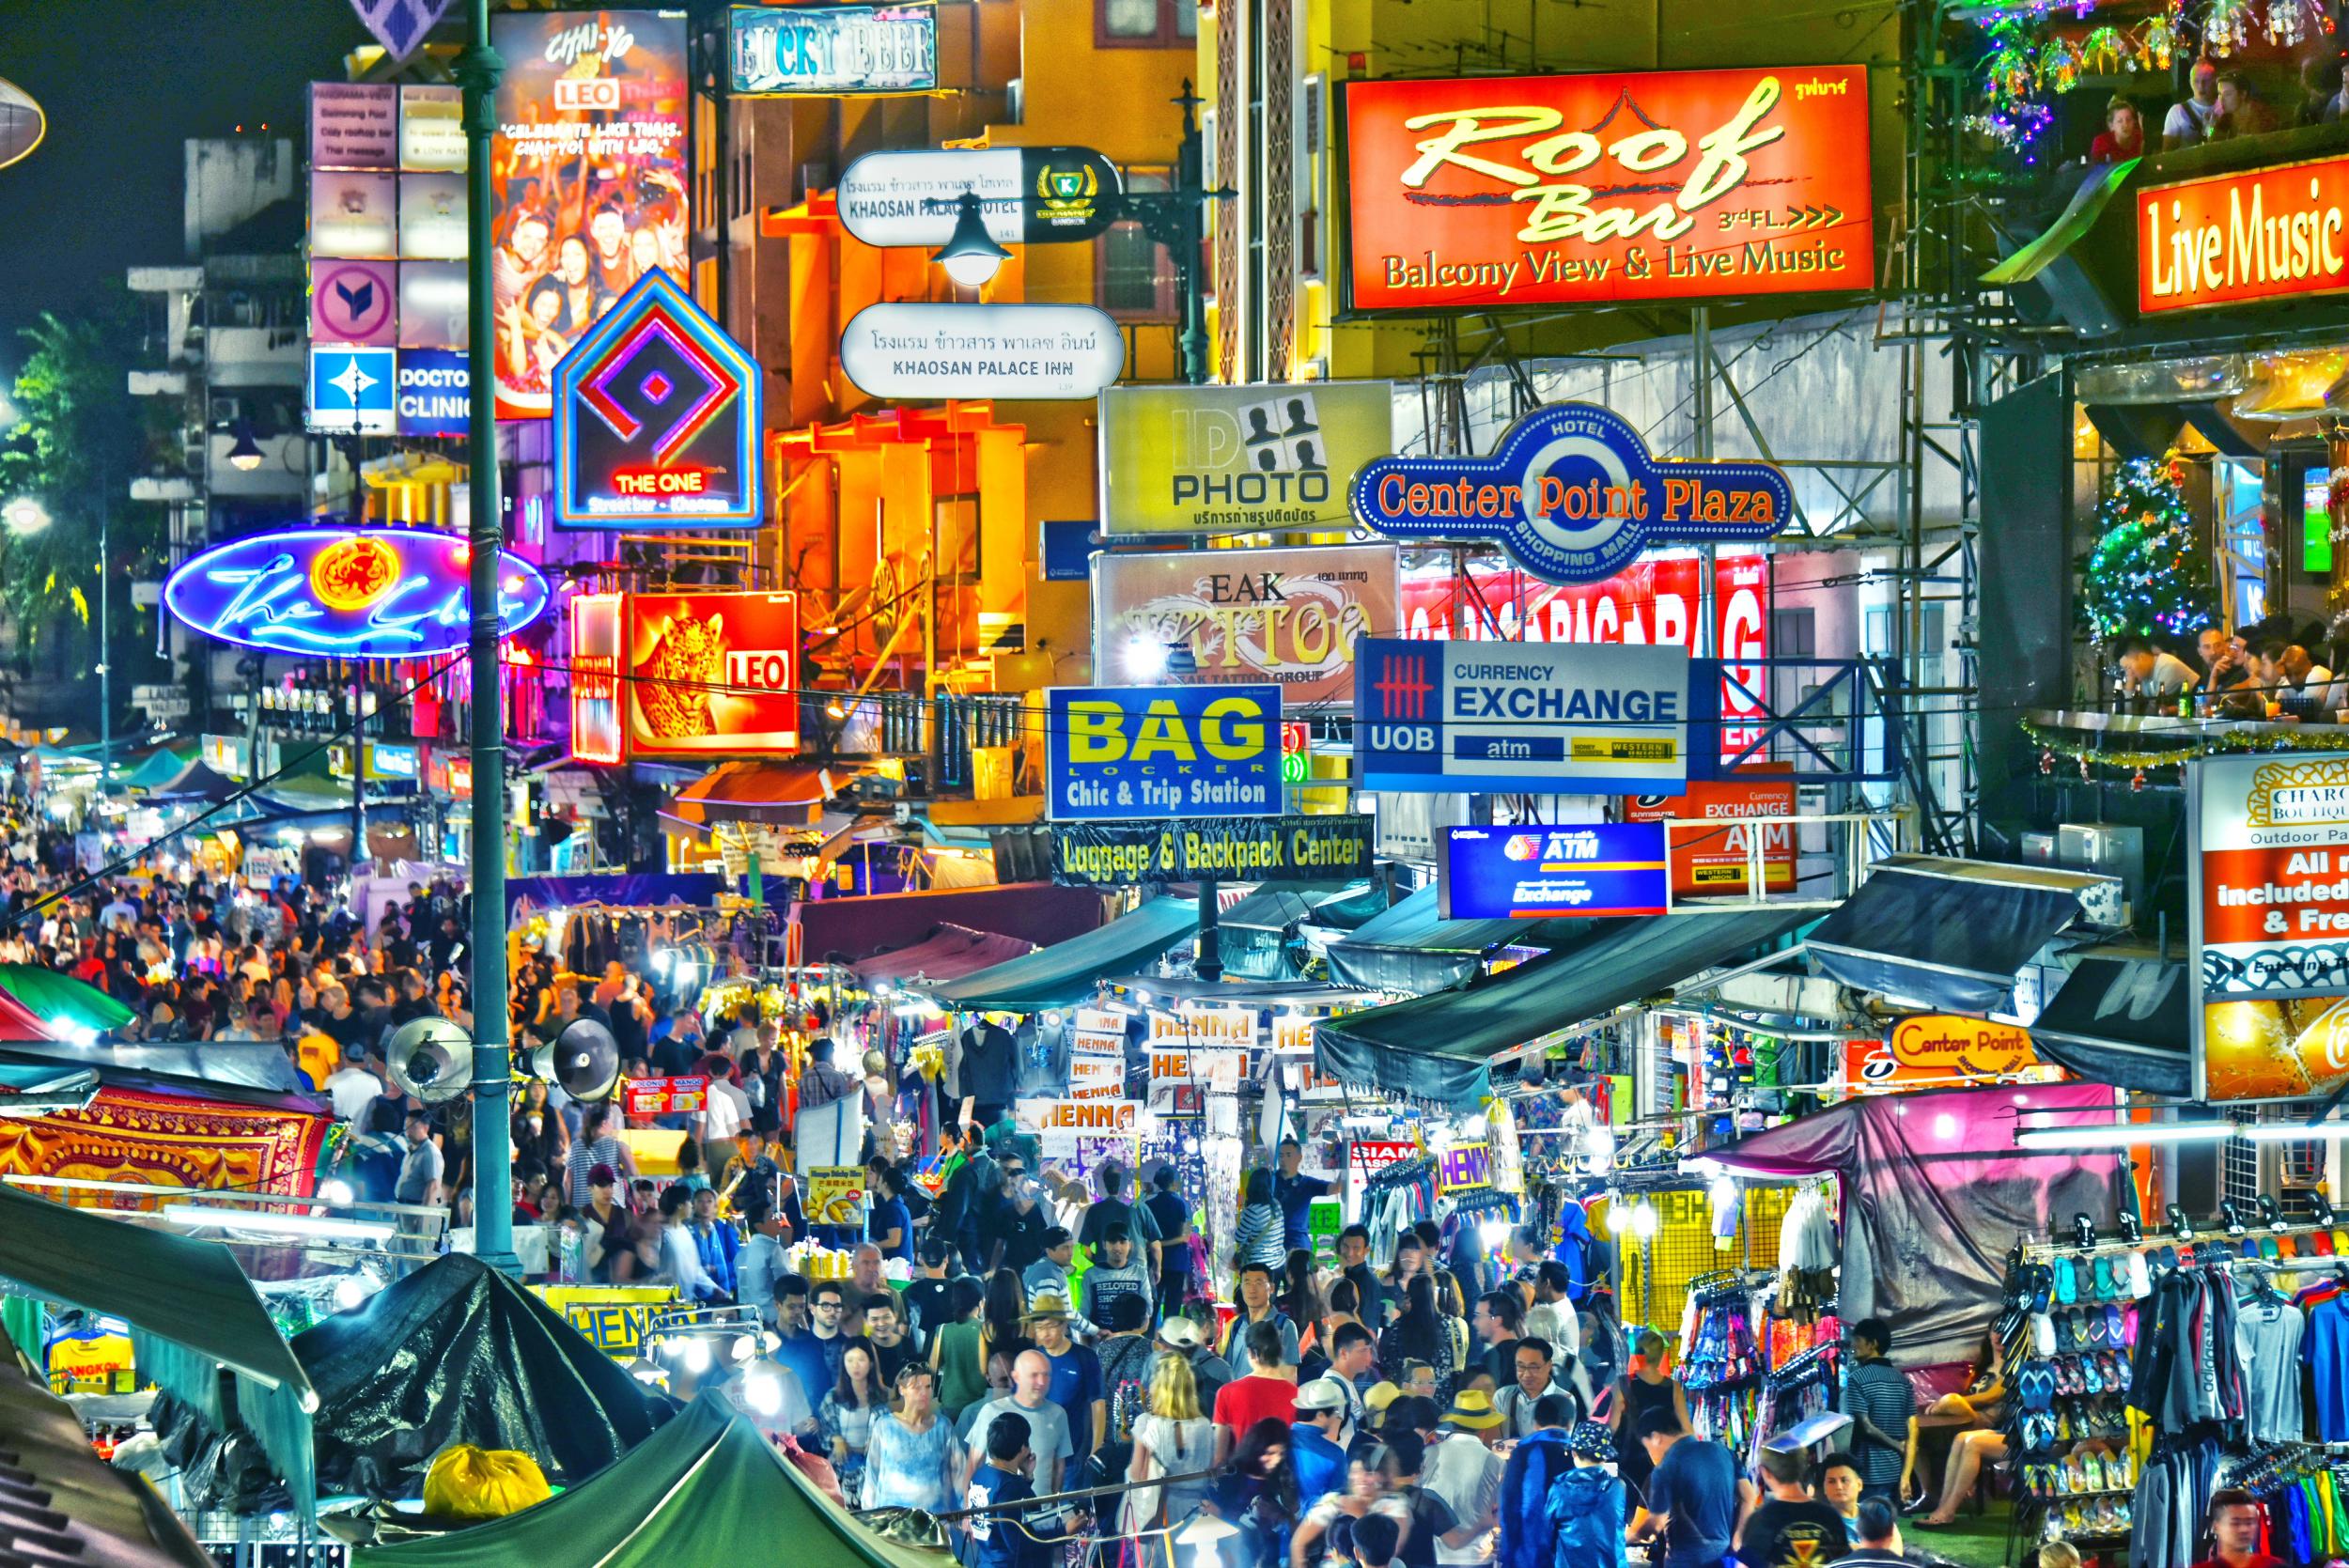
(124, 82)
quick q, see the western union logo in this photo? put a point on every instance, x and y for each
(1624, 749)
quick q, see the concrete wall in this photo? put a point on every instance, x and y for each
(229, 181)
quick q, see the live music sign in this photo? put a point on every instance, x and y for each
(2232, 238)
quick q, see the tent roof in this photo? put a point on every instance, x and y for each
(1950, 935)
(194, 781)
(1412, 947)
(52, 995)
(208, 1065)
(949, 953)
(456, 1352)
(112, 1519)
(1068, 972)
(171, 1286)
(705, 1488)
(2122, 1022)
(164, 762)
(1436, 1047)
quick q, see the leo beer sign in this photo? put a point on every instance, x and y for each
(1467, 194)
(1936, 1048)
(711, 674)
(1705, 860)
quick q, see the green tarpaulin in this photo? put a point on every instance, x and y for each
(54, 996)
(707, 1488)
(165, 762)
(1435, 1048)
(1412, 947)
(1065, 973)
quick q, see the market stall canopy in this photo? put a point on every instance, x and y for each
(1245, 993)
(195, 782)
(706, 1488)
(949, 954)
(1257, 930)
(20, 1024)
(1436, 1047)
(778, 794)
(1068, 972)
(1936, 1194)
(1946, 935)
(457, 1353)
(1412, 947)
(2079, 215)
(207, 1064)
(52, 996)
(851, 929)
(75, 1506)
(159, 766)
(2125, 1022)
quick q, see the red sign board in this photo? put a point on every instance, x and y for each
(1936, 1048)
(711, 674)
(1366, 1158)
(1618, 187)
(1706, 862)
(665, 1096)
(1652, 601)
(595, 623)
(2232, 238)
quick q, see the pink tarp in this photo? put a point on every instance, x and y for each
(1934, 1196)
(949, 954)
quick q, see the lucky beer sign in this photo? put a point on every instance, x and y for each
(1618, 187)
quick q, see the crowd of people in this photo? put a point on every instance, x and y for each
(2272, 669)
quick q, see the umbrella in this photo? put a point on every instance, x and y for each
(51, 996)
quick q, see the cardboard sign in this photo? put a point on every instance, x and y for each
(1180, 1078)
(1939, 1047)
(1096, 1076)
(665, 1096)
(1200, 1026)
(836, 1195)
(1706, 862)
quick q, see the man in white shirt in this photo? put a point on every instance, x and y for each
(725, 1112)
(1462, 1468)
(353, 1088)
(761, 1260)
(2289, 674)
(2146, 671)
(1535, 1366)
(2189, 123)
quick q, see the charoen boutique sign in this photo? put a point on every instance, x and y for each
(2231, 237)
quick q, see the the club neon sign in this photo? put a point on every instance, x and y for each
(395, 593)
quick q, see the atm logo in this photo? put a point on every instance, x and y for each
(1402, 686)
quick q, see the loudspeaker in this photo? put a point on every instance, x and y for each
(430, 1057)
(584, 1061)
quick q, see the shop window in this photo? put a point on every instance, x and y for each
(1143, 23)
(1134, 275)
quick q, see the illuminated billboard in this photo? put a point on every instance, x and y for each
(711, 674)
(587, 173)
(1289, 617)
(1613, 188)
(1229, 460)
(381, 593)
(2230, 238)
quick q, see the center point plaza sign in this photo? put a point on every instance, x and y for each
(1612, 188)
(381, 593)
(1572, 494)
(2268, 912)
(1009, 352)
(2230, 238)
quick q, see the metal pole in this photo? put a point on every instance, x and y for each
(1190, 162)
(1209, 964)
(1704, 644)
(105, 659)
(480, 69)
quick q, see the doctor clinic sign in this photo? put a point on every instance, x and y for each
(1617, 188)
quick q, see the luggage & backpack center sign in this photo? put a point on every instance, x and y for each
(1573, 495)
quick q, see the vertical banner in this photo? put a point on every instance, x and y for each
(587, 173)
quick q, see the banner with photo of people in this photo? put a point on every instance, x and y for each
(587, 174)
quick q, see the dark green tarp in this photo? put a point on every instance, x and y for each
(61, 995)
(707, 1488)
(1066, 973)
(2087, 205)
(1435, 1048)
(1412, 947)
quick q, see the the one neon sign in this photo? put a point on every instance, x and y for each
(394, 593)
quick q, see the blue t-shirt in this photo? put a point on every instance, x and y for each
(1320, 1464)
(1075, 1384)
(1007, 1540)
(1697, 1486)
(1296, 1195)
(890, 1213)
(804, 1353)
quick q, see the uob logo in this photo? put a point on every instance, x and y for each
(1573, 495)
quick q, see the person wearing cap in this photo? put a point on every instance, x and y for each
(1209, 1372)
(605, 1221)
(1584, 1508)
(1883, 1406)
(1694, 1496)
(1076, 1374)
(1463, 1470)
(1525, 1534)
(1117, 1273)
(1376, 1399)
(1318, 1453)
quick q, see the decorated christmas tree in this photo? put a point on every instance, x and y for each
(2145, 575)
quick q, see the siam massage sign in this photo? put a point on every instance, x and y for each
(2235, 237)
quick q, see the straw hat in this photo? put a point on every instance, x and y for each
(1473, 1411)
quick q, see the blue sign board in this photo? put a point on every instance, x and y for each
(1573, 495)
(376, 593)
(1521, 718)
(435, 392)
(350, 389)
(1545, 871)
(1120, 754)
(1069, 550)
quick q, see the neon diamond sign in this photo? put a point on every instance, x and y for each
(656, 419)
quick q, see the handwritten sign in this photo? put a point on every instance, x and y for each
(1179, 1074)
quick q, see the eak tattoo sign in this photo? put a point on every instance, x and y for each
(1573, 495)
(1612, 188)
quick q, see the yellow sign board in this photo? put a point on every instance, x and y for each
(612, 1317)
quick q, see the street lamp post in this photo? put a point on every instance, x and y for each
(1178, 220)
(478, 69)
